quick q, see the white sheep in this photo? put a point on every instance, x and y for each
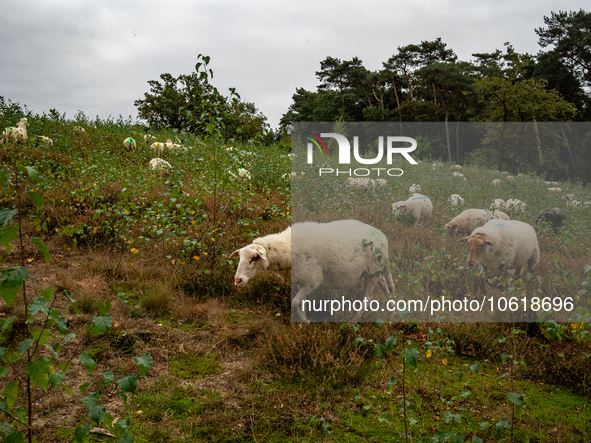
(554, 190)
(458, 174)
(46, 140)
(571, 202)
(468, 220)
(419, 207)
(457, 168)
(158, 147)
(455, 200)
(18, 133)
(505, 173)
(149, 138)
(414, 189)
(243, 174)
(510, 178)
(503, 244)
(157, 164)
(497, 204)
(437, 165)
(358, 183)
(170, 145)
(552, 184)
(378, 184)
(515, 205)
(317, 256)
(79, 130)
(129, 144)
(496, 182)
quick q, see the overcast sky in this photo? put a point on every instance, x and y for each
(97, 56)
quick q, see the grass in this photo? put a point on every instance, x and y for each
(229, 366)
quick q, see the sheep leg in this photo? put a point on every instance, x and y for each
(370, 284)
(296, 302)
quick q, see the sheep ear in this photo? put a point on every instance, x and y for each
(463, 240)
(235, 254)
(261, 251)
(488, 242)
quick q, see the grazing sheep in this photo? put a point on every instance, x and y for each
(313, 256)
(378, 183)
(458, 174)
(157, 164)
(505, 173)
(515, 205)
(468, 220)
(358, 183)
(418, 207)
(554, 190)
(437, 165)
(510, 178)
(243, 174)
(79, 130)
(148, 138)
(571, 202)
(46, 141)
(129, 144)
(455, 200)
(496, 182)
(503, 244)
(497, 204)
(414, 189)
(18, 133)
(457, 168)
(158, 147)
(553, 216)
(552, 184)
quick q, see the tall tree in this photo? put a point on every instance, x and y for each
(570, 34)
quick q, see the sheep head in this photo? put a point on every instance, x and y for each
(253, 260)
(478, 244)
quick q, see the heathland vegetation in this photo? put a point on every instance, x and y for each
(120, 320)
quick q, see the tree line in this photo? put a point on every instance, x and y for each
(427, 82)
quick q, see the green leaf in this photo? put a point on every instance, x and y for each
(516, 398)
(37, 199)
(144, 363)
(392, 383)
(6, 215)
(7, 236)
(25, 345)
(12, 280)
(39, 243)
(503, 423)
(477, 439)
(87, 361)
(14, 436)
(458, 438)
(4, 175)
(81, 433)
(125, 438)
(10, 393)
(379, 349)
(55, 378)
(32, 173)
(411, 355)
(103, 323)
(61, 325)
(390, 342)
(3, 371)
(108, 378)
(366, 408)
(474, 368)
(7, 324)
(38, 370)
(39, 305)
(129, 383)
(123, 423)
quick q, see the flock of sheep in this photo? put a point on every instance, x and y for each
(310, 256)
